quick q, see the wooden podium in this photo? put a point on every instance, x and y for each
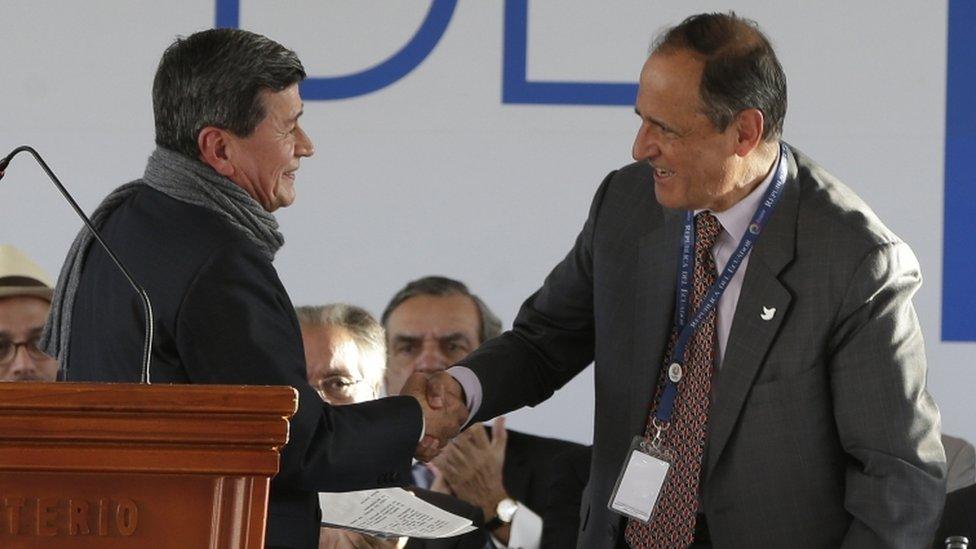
(144, 466)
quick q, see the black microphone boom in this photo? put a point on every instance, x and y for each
(146, 305)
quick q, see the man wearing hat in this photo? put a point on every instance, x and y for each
(25, 299)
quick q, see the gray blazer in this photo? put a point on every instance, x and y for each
(821, 432)
(960, 463)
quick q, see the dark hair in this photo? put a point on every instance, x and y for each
(215, 78)
(741, 69)
(489, 324)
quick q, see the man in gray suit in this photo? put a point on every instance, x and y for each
(804, 420)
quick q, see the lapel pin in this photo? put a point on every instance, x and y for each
(768, 313)
(674, 372)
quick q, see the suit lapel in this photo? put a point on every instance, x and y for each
(516, 471)
(655, 288)
(751, 335)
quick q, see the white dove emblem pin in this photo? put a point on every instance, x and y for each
(768, 313)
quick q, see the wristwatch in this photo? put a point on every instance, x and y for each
(504, 512)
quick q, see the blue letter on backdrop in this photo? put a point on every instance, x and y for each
(516, 88)
(959, 240)
(374, 78)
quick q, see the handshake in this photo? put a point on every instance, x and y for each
(445, 411)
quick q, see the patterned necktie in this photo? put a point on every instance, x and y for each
(423, 476)
(673, 524)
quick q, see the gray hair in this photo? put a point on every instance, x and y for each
(489, 324)
(215, 78)
(367, 333)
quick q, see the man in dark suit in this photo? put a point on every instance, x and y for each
(198, 233)
(561, 516)
(799, 414)
(431, 323)
(959, 518)
(345, 358)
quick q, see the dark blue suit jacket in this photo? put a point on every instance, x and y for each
(223, 317)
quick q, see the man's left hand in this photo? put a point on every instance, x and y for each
(472, 466)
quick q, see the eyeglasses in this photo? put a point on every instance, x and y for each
(8, 350)
(338, 388)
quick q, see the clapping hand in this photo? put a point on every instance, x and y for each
(471, 466)
(442, 402)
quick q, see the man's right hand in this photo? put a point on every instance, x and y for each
(443, 406)
(335, 538)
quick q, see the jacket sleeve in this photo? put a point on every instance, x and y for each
(887, 421)
(960, 463)
(552, 338)
(236, 325)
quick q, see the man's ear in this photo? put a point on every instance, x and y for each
(213, 143)
(749, 125)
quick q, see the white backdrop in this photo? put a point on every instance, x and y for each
(435, 174)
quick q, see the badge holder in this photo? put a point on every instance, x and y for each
(642, 477)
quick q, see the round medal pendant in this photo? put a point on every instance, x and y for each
(674, 372)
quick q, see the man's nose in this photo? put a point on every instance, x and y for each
(646, 146)
(23, 366)
(303, 144)
(431, 358)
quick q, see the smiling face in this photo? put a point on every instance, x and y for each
(264, 163)
(695, 165)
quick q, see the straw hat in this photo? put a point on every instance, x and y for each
(21, 276)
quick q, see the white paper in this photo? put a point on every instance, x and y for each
(390, 512)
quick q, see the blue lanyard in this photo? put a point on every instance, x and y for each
(686, 329)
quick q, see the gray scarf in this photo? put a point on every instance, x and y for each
(181, 178)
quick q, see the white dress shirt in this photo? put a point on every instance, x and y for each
(735, 221)
(526, 527)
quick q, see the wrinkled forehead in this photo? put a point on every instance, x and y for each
(670, 86)
(342, 355)
(346, 356)
(20, 315)
(284, 106)
(676, 71)
(435, 316)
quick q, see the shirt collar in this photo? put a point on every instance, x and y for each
(736, 219)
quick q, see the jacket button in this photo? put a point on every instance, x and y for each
(612, 532)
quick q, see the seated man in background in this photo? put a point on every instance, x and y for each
(345, 352)
(561, 515)
(25, 299)
(345, 357)
(430, 324)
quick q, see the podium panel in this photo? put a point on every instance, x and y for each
(120, 465)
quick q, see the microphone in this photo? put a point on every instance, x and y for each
(146, 305)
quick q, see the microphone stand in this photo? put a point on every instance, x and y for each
(146, 305)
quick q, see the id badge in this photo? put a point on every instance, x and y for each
(641, 479)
